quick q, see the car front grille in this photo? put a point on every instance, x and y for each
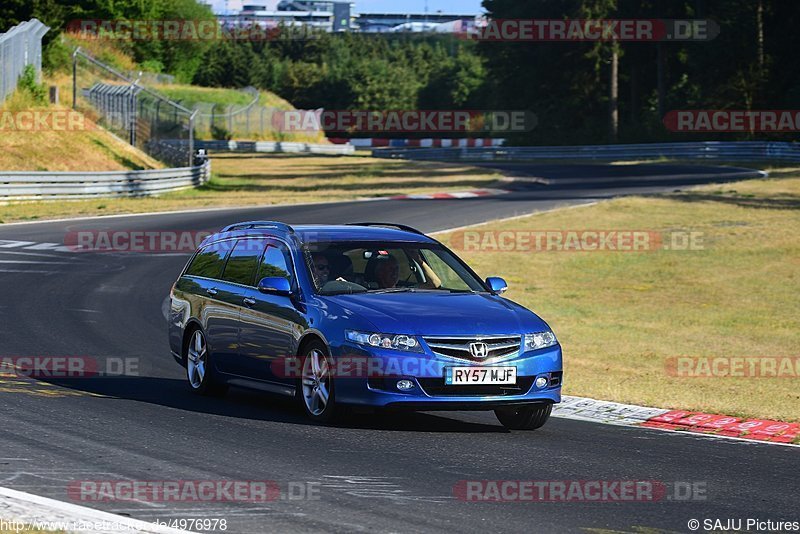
(435, 387)
(460, 347)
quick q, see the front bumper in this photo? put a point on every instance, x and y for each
(377, 386)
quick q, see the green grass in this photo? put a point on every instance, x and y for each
(189, 95)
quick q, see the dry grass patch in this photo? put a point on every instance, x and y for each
(261, 179)
(621, 315)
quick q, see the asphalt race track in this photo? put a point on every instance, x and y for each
(373, 473)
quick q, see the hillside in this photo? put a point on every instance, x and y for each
(222, 114)
(84, 147)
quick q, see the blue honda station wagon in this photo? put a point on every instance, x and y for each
(359, 317)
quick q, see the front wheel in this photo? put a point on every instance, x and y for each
(198, 370)
(316, 388)
(528, 417)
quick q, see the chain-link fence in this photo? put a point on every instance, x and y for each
(252, 120)
(19, 47)
(149, 121)
(220, 122)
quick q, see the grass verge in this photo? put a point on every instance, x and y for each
(85, 147)
(18, 530)
(622, 315)
(259, 179)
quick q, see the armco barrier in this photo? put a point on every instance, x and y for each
(23, 185)
(275, 147)
(375, 142)
(706, 150)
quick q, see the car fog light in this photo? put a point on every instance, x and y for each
(541, 382)
(405, 385)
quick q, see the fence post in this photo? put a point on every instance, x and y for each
(191, 137)
(75, 78)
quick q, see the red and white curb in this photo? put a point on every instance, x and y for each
(698, 423)
(474, 193)
(31, 512)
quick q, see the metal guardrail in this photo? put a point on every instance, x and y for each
(275, 147)
(23, 185)
(705, 150)
(19, 47)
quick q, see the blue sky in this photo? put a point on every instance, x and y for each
(399, 6)
(418, 6)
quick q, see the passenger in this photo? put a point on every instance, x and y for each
(322, 268)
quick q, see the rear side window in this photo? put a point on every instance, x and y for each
(243, 262)
(209, 261)
(275, 263)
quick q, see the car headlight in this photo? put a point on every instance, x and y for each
(540, 340)
(385, 341)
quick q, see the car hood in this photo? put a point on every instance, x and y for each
(441, 313)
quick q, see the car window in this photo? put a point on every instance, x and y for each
(275, 263)
(372, 266)
(209, 261)
(243, 261)
(451, 279)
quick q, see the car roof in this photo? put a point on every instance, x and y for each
(325, 233)
(308, 233)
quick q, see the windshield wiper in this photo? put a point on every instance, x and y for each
(394, 290)
(342, 292)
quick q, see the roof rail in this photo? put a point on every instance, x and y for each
(398, 226)
(258, 224)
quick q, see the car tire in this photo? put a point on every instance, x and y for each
(199, 371)
(527, 417)
(316, 390)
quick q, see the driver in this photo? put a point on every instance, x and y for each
(387, 272)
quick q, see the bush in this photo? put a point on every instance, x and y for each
(27, 84)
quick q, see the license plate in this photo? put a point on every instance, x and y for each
(464, 376)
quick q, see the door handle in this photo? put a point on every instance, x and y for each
(212, 291)
(249, 302)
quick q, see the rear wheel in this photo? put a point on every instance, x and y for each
(316, 391)
(528, 417)
(198, 369)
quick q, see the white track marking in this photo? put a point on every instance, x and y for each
(56, 247)
(25, 507)
(6, 243)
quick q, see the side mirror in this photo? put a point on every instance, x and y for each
(275, 286)
(497, 285)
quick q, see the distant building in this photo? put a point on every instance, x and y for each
(337, 16)
(416, 22)
(325, 15)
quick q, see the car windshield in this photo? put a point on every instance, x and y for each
(380, 267)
